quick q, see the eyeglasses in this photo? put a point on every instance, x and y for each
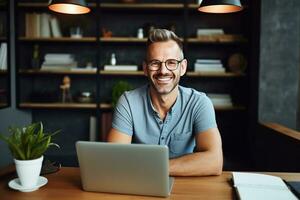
(171, 64)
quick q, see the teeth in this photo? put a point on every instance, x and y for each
(164, 78)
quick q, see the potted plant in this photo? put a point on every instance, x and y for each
(118, 89)
(27, 145)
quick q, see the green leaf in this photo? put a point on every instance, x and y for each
(29, 142)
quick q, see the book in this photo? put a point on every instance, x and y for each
(120, 67)
(220, 99)
(208, 61)
(212, 31)
(59, 56)
(3, 56)
(214, 65)
(251, 186)
(56, 32)
(45, 26)
(93, 128)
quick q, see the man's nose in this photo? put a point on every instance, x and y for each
(163, 68)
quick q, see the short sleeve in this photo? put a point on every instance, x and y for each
(122, 118)
(204, 115)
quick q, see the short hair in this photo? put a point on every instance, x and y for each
(163, 35)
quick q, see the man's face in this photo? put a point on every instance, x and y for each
(164, 81)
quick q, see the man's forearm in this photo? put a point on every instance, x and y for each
(197, 164)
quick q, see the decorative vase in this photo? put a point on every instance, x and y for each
(29, 171)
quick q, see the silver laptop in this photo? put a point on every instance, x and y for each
(124, 168)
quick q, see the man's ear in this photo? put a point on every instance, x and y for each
(145, 68)
(183, 67)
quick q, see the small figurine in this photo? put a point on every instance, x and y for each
(113, 60)
(35, 61)
(106, 33)
(65, 87)
(140, 33)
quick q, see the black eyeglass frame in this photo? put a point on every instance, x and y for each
(178, 62)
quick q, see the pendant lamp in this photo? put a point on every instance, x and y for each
(69, 6)
(220, 6)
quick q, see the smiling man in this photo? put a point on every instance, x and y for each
(165, 113)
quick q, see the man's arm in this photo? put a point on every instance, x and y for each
(207, 160)
(118, 137)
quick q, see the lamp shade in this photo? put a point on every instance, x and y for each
(220, 6)
(69, 6)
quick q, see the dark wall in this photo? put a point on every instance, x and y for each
(279, 62)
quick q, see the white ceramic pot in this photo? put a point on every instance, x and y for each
(29, 171)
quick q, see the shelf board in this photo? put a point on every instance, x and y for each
(3, 72)
(58, 105)
(3, 38)
(43, 5)
(214, 74)
(33, 71)
(60, 39)
(123, 73)
(120, 73)
(122, 39)
(142, 5)
(218, 40)
(229, 108)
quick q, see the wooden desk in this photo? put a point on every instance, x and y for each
(66, 185)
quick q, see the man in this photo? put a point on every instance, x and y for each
(168, 114)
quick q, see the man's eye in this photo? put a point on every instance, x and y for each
(154, 63)
(172, 62)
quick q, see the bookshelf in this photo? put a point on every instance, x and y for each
(123, 20)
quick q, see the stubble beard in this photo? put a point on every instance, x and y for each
(162, 90)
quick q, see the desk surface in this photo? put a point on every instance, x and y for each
(66, 185)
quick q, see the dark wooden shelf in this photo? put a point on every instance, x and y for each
(58, 105)
(122, 39)
(229, 108)
(54, 72)
(60, 39)
(122, 73)
(3, 72)
(212, 40)
(214, 74)
(142, 5)
(222, 39)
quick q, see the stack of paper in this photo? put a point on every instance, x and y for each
(208, 65)
(59, 61)
(209, 31)
(251, 186)
(120, 67)
(220, 99)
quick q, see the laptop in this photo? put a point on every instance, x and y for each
(139, 169)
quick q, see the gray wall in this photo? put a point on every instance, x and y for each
(11, 116)
(279, 62)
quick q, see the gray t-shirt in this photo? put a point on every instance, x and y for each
(192, 113)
